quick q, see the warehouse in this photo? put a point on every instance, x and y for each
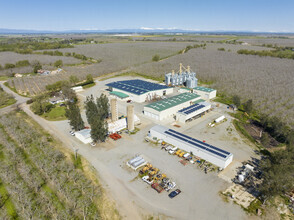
(165, 108)
(140, 90)
(192, 111)
(205, 93)
(214, 155)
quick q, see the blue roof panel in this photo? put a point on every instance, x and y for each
(136, 86)
(197, 143)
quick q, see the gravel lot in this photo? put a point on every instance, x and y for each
(200, 192)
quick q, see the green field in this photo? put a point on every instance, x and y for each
(55, 114)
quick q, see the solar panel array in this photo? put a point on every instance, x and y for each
(136, 86)
(191, 109)
(197, 143)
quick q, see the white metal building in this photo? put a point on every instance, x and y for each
(84, 136)
(121, 124)
(140, 90)
(194, 110)
(167, 107)
(214, 155)
(204, 92)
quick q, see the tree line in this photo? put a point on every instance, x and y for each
(280, 53)
(276, 167)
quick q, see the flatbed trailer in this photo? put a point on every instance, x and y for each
(157, 187)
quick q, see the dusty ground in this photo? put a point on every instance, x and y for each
(200, 192)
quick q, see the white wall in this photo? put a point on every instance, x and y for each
(205, 95)
(161, 115)
(142, 98)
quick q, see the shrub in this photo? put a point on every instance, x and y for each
(155, 58)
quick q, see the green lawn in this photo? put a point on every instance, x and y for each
(55, 114)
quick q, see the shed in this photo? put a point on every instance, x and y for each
(84, 136)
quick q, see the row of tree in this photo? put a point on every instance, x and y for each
(289, 54)
(96, 112)
(277, 167)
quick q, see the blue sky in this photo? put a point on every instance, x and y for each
(205, 15)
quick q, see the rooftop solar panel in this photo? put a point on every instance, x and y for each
(136, 86)
(198, 143)
(208, 145)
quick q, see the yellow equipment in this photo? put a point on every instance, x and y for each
(178, 152)
(154, 172)
(181, 154)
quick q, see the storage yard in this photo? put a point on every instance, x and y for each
(175, 161)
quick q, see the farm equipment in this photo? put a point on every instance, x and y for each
(115, 136)
(159, 177)
(181, 154)
(178, 152)
(146, 168)
(153, 172)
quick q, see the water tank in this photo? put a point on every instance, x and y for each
(167, 79)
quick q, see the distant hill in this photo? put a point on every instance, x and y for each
(138, 30)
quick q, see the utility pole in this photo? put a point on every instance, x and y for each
(75, 151)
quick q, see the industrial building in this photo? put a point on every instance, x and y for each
(183, 77)
(167, 107)
(212, 154)
(204, 92)
(139, 90)
(123, 124)
(192, 111)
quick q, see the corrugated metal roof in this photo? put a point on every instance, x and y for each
(204, 89)
(119, 94)
(172, 101)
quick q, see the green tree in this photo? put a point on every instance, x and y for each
(99, 130)
(103, 106)
(91, 109)
(265, 139)
(68, 93)
(248, 106)
(9, 66)
(237, 101)
(73, 79)
(89, 78)
(155, 58)
(277, 173)
(37, 66)
(74, 115)
(58, 63)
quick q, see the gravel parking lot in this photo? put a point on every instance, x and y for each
(200, 192)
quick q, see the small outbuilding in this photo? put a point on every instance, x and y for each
(84, 136)
(204, 92)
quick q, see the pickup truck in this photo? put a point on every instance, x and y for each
(147, 179)
(173, 150)
(157, 187)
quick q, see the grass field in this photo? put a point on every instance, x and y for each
(55, 114)
(6, 99)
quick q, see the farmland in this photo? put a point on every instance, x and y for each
(39, 179)
(266, 80)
